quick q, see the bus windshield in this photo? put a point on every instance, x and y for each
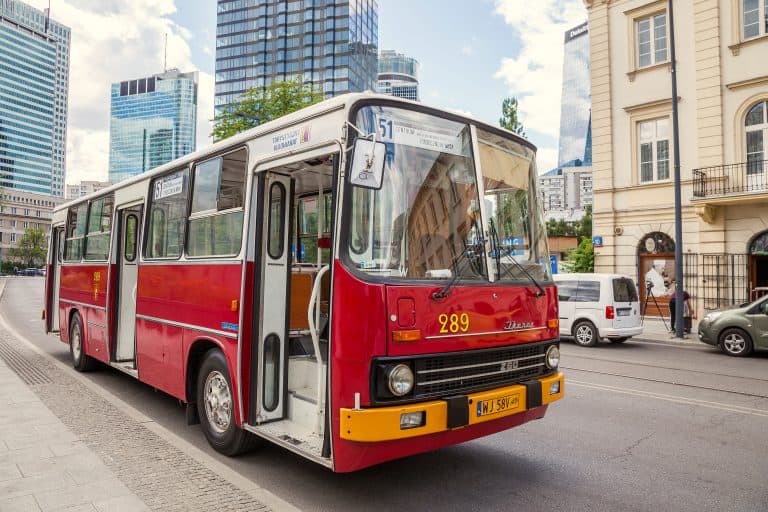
(514, 217)
(424, 222)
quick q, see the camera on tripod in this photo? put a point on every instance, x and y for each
(648, 286)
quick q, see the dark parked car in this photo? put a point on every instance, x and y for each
(739, 330)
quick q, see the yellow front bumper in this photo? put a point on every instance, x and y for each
(383, 423)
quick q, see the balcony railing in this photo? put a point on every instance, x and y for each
(724, 180)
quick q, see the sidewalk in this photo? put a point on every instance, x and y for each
(67, 444)
(43, 466)
(658, 330)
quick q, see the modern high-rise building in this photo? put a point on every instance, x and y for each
(576, 104)
(152, 122)
(34, 84)
(329, 43)
(398, 75)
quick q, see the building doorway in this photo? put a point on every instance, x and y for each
(758, 266)
(656, 271)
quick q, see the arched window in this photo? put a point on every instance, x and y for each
(756, 134)
(656, 243)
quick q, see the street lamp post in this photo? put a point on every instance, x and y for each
(679, 302)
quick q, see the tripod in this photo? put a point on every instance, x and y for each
(649, 295)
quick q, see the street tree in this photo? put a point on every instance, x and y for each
(260, 105)
(509, 116)
(31, 249)
(582, 258)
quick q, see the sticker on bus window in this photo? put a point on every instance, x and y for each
(407, 135)
(169, 186)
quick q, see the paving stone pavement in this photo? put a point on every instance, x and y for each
(65, 448)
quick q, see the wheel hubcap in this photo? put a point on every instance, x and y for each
(218, 402)
(734, 343)
(76, 343)
(583, 334)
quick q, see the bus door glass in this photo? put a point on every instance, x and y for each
(57, 252)
(275, 252)
(130, 221)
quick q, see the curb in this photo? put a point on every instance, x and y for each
(227, 473)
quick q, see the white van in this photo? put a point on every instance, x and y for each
(595, 306)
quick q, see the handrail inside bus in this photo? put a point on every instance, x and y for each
(313, 303)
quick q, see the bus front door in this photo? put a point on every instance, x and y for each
(127, 257)
(275, 261)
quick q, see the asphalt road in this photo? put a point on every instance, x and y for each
(644, 426)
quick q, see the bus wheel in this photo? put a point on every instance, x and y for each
(80, 360)
(585, 334)
(215, 406)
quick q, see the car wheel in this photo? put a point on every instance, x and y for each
(736, 342)
(585, 334)
(80, 360)
(215, 406)
(619, 340)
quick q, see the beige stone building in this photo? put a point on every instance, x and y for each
(22, 210)
(722, 72)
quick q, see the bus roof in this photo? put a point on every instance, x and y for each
(324, 107)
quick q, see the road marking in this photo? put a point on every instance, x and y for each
(671, 398)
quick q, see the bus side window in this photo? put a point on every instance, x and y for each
(216, 219)
(167, 213)
(73, 250)
(99, 229)
(359, 233)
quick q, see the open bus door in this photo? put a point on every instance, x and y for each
(53, 279)
(274, 255)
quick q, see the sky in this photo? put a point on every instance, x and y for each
(473, 54)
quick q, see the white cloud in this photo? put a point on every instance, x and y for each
(114, 40)
(467, 49)
(534, 75)
(546, 159)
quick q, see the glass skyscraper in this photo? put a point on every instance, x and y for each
(398, 75)
(575, 111)
(152, 122)
(34, 84)
(329, 43)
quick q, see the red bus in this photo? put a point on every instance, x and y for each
(362, 280)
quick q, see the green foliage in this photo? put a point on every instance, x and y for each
(509, 117)
(581, 259)
(584, 226)
(581, 228)
(31, 249)
(260, 105)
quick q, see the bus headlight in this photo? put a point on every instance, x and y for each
(400, 380)
(553, 357)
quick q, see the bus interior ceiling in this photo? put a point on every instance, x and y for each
(310, 252)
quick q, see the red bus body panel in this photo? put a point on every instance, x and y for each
(362, 326)
(84, 288)
(193, 301)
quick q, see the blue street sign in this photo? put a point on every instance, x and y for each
(553, 263)
(597, 241)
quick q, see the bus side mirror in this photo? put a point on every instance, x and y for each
(367, 168)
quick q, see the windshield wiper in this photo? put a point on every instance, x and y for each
(458, 260)
(496, 247)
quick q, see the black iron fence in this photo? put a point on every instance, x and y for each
(724, 280)
(721, 180)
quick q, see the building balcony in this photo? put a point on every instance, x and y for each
(742, 183)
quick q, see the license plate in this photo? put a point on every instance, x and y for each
(623, 312)
(497, 405)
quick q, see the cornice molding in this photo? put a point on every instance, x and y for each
(747, 83)
(650, 104)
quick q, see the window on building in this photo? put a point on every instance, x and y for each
(13, 224)
(653, 148)
(754, 16)
(651, 33)
(756, 135)
(13, 238)
(216, 219)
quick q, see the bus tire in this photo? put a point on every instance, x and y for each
(80, 360)
(215, 407)
(585, 334)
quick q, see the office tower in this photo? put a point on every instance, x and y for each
(329, 43)
(152, 122)
(398, 75)
(576, 103)
(34, 84)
